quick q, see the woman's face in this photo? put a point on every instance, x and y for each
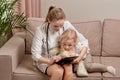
(56, 25)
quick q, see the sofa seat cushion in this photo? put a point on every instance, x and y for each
(26, 71)
(88, 78)
(113, 61)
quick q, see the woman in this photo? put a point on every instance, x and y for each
(46, 37)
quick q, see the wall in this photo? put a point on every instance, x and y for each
(98, 9)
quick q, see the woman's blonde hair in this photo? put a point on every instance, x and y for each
(55, 14)
(68, 34)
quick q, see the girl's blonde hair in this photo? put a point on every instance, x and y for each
(55, 14)
(68, 34)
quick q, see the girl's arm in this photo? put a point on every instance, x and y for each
(81, 55)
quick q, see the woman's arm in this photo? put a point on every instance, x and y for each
(36, 48)
(45, 60)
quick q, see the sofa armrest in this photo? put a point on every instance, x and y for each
(11, 55)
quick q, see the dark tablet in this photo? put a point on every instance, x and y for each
(66, 60)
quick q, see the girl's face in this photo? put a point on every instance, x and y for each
(56, 25)
(68, 45)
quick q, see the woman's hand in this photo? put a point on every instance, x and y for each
(57, 58)
(52, 61)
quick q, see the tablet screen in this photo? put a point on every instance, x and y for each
(66, 60)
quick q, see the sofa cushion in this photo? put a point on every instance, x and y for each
(26, 71)
(33, 23)
(92, 30)
(111, 38)
(113, 61)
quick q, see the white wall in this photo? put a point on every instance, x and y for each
(98, 9)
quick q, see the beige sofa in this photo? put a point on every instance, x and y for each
(104, 40)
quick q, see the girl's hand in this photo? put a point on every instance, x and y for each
(77, 60)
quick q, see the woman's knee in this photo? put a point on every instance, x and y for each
(58, 71)
(55, 70)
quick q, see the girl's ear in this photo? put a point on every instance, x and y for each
(78, 40)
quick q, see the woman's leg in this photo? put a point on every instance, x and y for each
(68, 72)
(55, 72)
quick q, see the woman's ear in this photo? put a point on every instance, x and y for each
(48, 21)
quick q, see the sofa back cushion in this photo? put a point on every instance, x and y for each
(92, 30)
(111, 38)
(33, 23)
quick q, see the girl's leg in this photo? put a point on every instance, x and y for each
(68, 72)
(55, 72)
(94, 67)
(97, 67)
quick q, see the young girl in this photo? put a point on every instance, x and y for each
(68, 42)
